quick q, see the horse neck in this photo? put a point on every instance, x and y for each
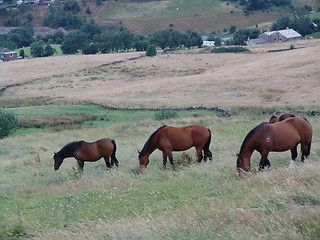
(247, 149)
(148, 151)
(65, 154)
(148, 147)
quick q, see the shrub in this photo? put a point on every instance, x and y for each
(230, 50)
(151, 50)
(165, 114)
(8, 123)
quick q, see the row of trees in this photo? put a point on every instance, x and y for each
(300, 23)
(262, 4)
(94, 39)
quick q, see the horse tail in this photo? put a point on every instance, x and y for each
(207, 145)
(309, 144)
(114, 160)
(309, 147)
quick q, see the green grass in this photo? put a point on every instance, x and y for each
(27, 52)
(315, 35)
(197, 201)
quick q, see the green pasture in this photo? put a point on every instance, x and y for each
(196, 201)
(27, 52)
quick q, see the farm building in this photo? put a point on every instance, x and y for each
(7, 55)
(208, 44)
(276, 36)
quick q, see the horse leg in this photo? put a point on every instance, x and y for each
(207, 154)
(264, 160)
(199, 154)
(164, 156)
(304, 151)
(169, 154)
(294, 155)
(80, 165)
(106, 160)
(114, 161)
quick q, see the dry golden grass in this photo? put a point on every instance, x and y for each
(261, 78)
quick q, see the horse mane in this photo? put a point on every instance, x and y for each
(147, 144)
(69, 149)
(272, 118)
(250, 134)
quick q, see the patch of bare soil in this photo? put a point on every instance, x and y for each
(261, 78)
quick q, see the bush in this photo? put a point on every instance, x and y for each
(151, 50)
(165, 114)
(8, 123)
(230, 50)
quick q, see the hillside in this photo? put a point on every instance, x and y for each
(152, 81)
(209, 200)
(147, 17)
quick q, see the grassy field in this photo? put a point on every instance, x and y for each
(196, 201)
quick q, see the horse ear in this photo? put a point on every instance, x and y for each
(237, 154)
(138, 151)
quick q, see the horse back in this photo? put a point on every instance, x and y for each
(292, 129)
(96, 150)
(182, 138)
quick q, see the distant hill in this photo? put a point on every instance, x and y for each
(147, 17)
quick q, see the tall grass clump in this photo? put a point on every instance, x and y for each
(165, 114)
(8, 123)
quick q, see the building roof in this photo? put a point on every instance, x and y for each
(257, 41)
(3, 48)
(11, 52)
(288, 33)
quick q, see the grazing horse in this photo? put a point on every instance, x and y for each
(276, 137)
(284, 116)
(168, 139)
(84, 151)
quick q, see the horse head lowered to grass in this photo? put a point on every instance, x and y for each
(168, 139)
(84, 151)
(277, 137)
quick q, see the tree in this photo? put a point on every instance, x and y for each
(232, 29)
(48, 51)
(37, 48)
(72, 43)
(8, 123)
(88, 11)
(40, 49)
(21, 53)
(217, 42)
(299, 23)
(241, 36)
(91, 29)
(151, 50)
(29, 17)
(72, 6)
(21, 36)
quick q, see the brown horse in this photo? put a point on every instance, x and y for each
(84, 151)
(276, 137)
(284, 116)
(168, 139)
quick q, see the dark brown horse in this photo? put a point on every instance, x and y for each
(276, 137)
(84, 151)
(284, 116)
(168, 139)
